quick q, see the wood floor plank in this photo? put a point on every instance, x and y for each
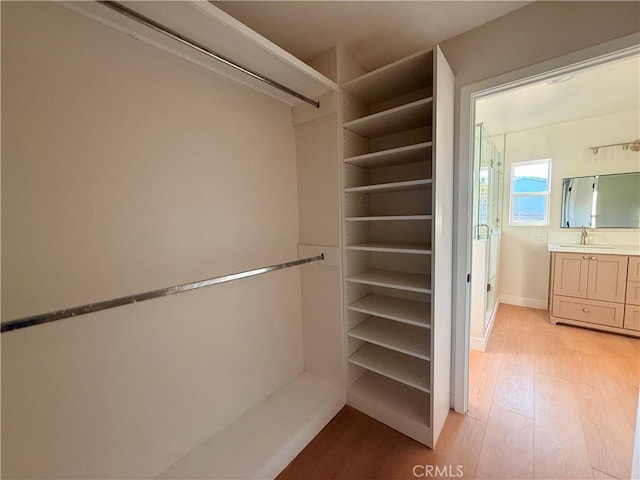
(518, 352)
(598, 475)
(507, 450)
(560, 447)
(562, 363)
(515, 392)
(460, 444)
(608, 434)
(483, 375)
(546, 401)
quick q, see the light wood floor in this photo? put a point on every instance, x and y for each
(546, 401)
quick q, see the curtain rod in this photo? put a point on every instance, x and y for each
(141, 297)
(158, 27)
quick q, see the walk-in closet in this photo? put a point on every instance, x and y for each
(202, 264)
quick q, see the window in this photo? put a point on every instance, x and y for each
(530, 185)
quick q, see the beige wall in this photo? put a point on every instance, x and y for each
(524, 259)
(318, 159)
(535, 33)
(126, 169)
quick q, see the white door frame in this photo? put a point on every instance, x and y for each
(572, 62)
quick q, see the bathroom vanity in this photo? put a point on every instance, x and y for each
(596, 286)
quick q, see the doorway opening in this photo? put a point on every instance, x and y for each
(509, 207)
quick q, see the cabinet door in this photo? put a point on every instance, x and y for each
(634, 269)
(570, 274)
(607, 278)
(633, 293)
(632, 317)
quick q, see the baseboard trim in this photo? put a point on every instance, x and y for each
(524, 301)
(476, 343)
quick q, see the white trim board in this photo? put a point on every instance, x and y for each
(265, 439)
(524, 301)
(481, 343)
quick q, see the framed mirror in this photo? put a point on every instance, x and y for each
(601, 201)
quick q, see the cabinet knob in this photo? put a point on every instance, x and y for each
(585, 310)
(585, 257)
(593, 258)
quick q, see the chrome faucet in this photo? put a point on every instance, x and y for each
(583, 236)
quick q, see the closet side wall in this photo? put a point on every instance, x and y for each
(126, 169)
(318, 162)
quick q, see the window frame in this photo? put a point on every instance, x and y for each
(546, 194)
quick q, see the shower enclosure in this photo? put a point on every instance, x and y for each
(488, 188)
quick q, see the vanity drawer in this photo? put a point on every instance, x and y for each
(592, 311)
(633, 273)
(632, 317)
(633, 292)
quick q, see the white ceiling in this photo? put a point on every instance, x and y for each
(373, 32)
(378, 32)
(601, 90)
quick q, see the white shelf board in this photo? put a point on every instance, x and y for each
(405, 75)
(403, 408)
(412, 312)
(415, 248)
(405, 117)
(391, 218)
(392, 186)
(264, 440)
(219, 31)
(401, 337)
(412, 282)
(417, 152)
(397, 366)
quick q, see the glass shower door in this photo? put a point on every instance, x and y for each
(487, 213)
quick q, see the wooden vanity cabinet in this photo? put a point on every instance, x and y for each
(571, 274)
(598, 291)
(607, 279)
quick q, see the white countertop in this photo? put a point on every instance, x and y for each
(599, 249)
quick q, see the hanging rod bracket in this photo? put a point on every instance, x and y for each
(158, 27)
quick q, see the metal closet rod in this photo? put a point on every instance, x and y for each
(132, 14)
(141, 297)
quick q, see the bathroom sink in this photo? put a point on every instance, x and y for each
(590, 247)
(602, 249)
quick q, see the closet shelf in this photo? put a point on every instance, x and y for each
(412, 312)
(417, 152)
(215, 29)
(397, 366)
(382, 218)
(416, 248)
(403, 76)
(373, 393)
(405, 117)
(392, 186)
(397, 336)
(412, 282)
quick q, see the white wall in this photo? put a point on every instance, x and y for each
(318, 157)
(524, 260)
(126, 169)
(537, 32)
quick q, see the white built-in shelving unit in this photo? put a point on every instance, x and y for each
(397, 176)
